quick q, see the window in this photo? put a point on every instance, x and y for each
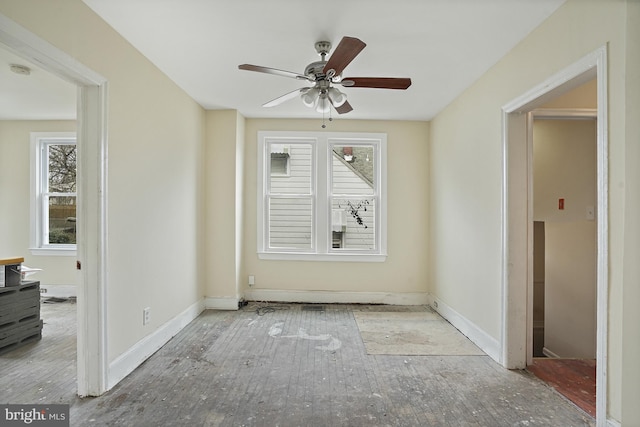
(322, 196)
(53, 191)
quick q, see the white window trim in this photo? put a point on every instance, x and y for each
(321, 248)
(36, 246)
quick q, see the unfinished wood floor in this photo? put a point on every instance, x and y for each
(573, 378)
(295, 367)
(44, 371)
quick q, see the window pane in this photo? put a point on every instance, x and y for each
(352, 169)
(297, 179)
(355, 220)
(290, 222)
(62, 220)
(62, 168)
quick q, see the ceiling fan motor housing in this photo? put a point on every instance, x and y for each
(315, 70)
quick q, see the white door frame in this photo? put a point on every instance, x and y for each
(517, 215)
(92, 197)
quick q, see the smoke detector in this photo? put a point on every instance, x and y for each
(20, 69)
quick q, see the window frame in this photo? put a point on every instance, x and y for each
(321, 168)
(39, 184)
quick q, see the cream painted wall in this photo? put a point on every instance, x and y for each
(405, 270)
(155, 171)
(631, 293)
(240, 205)
(15, 205)
(564, 166)
(466, 177)
(570, 289)
(584, 96)
(223, 212)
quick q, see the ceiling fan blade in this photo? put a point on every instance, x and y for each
(344, 108)
(348, 48)
(377, 82)
(287, 96)
(274, 71)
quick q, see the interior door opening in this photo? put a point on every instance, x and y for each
(92, 364)
(517, 332)
(563, 306)
(40, 115)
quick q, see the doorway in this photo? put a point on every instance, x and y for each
(92, 372)
(517, 336)
(38, 132)
(564, 249)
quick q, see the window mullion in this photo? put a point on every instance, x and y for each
(322, 196)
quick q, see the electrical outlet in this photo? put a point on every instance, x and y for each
(435, 304)
(43, 290)
(146, 315)
(252, 280)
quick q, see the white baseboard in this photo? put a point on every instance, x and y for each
(336, 297)
(486, 342)
(58, 291)
(549, 353)
(221, 303)
(132, 358)
(613, 423)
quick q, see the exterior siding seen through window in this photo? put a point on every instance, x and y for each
(329, 205)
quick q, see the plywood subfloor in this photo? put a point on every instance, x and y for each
(422, 333)
(573, 378)
(294, 367)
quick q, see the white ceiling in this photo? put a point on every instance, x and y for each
(38, 96)
(443, 45)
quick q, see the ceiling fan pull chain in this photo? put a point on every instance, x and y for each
(330, 118)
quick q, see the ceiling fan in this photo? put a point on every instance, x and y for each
(324, 75)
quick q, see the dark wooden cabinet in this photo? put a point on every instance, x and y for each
(20, 321)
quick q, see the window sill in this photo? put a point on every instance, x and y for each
(332, 257)
(53, 251)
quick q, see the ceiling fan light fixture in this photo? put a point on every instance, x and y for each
(323, 106)
(310, 97)
(337, 98)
